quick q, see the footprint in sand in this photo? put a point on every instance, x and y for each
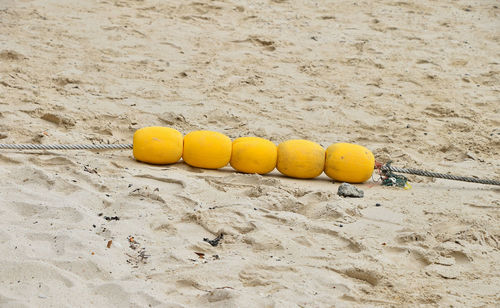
(86, 269)
(54, 245)
(68, 215)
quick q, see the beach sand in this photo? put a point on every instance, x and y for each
(416, 83)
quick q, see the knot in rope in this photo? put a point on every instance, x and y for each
(391, 179)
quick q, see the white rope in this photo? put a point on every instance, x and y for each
(439, 175)
(65, 146)
(129, 146)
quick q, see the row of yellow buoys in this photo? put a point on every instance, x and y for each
(343, 162)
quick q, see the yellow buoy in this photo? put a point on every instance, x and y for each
(207, 149)
(347, 162)
(300, 159)
(253, 155)
(157, 145)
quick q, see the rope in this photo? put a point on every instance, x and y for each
(65, 146)
(383, 168)
(388, 167)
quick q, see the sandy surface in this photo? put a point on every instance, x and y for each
(415, 83)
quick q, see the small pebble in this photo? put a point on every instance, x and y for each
(348, 190)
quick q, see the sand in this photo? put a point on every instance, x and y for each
(418, 83)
